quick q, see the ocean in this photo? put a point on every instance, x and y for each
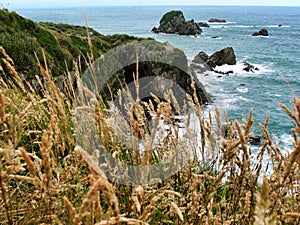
(277, 56)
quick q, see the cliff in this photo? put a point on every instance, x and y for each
(65, 45)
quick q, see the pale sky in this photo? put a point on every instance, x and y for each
(85, 3)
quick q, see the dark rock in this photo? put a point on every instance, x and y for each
(279, 25)
(190, 28)
(203, 24)
(255, 140)
(262, 32)
(202, 62)
(174, 22)
(201, 57)
(196, 67)
(224, 72)
(155, 30)
(213, 20)
(219, 58)
(165, 61)
(249, 68)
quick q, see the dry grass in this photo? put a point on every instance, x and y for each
(46, 179)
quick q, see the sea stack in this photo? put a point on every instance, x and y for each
(174, 22)
(262, 32)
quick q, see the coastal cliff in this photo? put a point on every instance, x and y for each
(65, 45)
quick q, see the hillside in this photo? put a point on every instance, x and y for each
(66, 45)
(61, 43)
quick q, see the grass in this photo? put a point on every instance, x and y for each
(61, 43)
(46, 178)
(169, 16)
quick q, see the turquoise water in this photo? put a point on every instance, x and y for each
(237, 93)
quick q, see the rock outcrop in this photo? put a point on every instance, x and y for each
(200, 58)
(161, 68)
(202, 62)
(213, 20)
(222, 57)
(262, 32)
(249, 68)
(174, 22)
(203, 24)
(63, 44)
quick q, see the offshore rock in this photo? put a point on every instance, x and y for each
(203, 24)
(174, 22)
(213, 20)
(262, 32)
(222, 57)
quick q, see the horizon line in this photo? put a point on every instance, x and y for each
(146, 5)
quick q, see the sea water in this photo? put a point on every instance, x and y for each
(276, 56)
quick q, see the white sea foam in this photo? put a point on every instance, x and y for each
(277, 26)
(218, 26)
(215, 37)
(268, 26)
(286, 141)
(245, 26)
(259, 36)
(242, 89)
(239, 69)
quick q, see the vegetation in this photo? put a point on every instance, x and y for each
(46, 178)
(168, 16)
(62, 44)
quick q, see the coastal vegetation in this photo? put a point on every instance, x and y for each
(61, 44)
(47, 178)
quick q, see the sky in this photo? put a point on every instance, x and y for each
(85, 3)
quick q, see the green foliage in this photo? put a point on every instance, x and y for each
(168, 16)
(61, 43)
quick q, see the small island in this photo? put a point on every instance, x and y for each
(174, 22)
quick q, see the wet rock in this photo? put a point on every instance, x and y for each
(222, 57)
(262, 32)
(249, 68)
(213, 20)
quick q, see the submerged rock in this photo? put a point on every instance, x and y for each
(174, 22)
